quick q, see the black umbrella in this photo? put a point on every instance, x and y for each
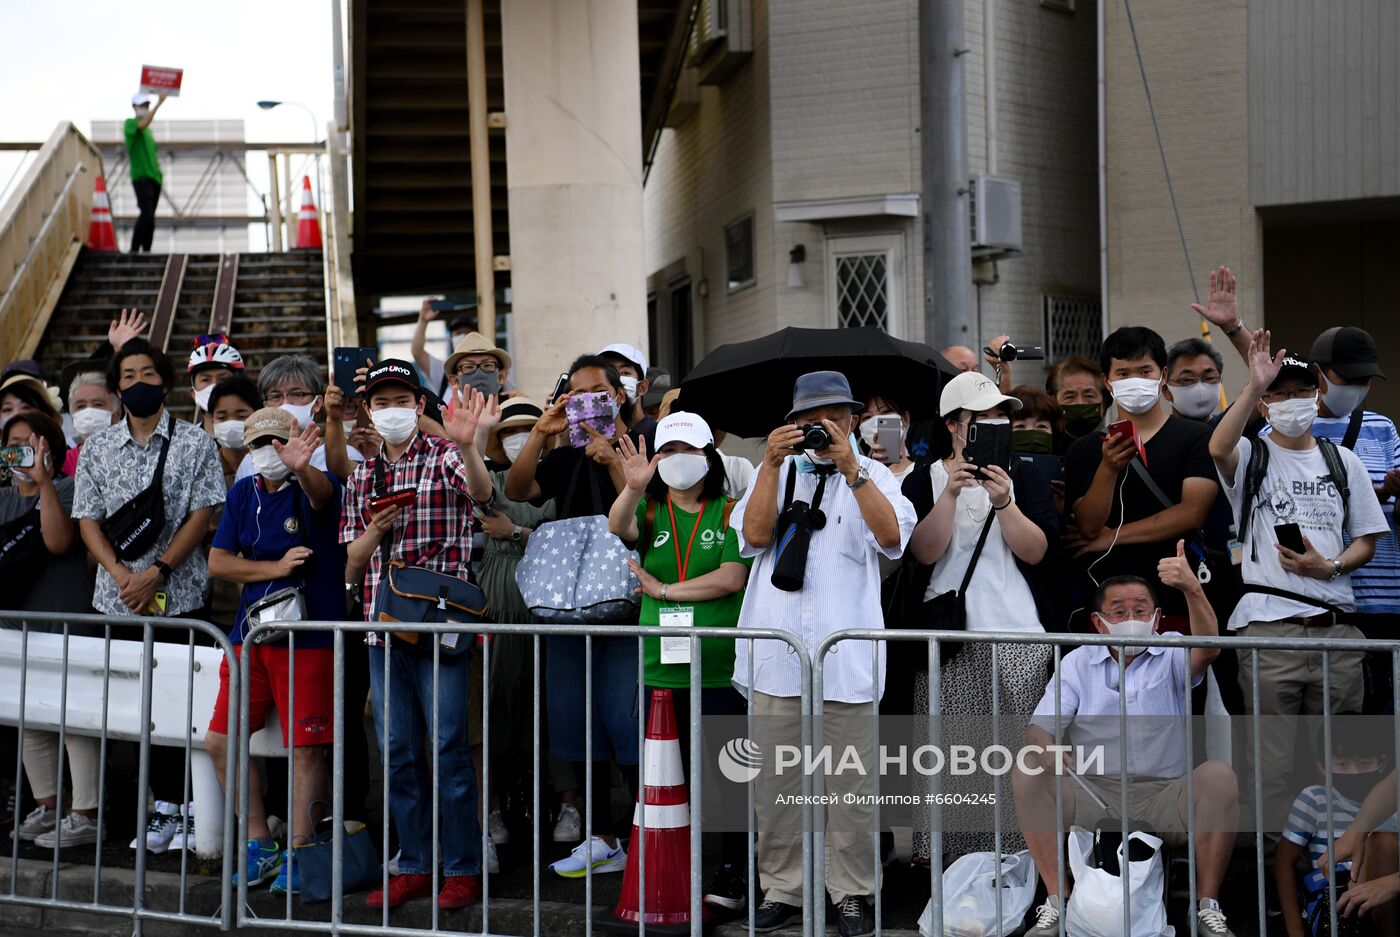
(746, 388)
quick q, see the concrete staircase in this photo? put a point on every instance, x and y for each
(278, 308)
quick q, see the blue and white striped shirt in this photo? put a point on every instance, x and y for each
(1307, 821)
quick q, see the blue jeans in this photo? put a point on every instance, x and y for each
(410, 766)
(614, 698)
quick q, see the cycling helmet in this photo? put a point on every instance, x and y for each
(214, 351)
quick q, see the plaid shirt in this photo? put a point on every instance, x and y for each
(435, 532)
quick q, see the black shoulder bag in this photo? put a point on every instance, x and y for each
(135, 527)
(1206, 561)
(795, 526)
(948, 610)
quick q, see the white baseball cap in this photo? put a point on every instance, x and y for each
(683, 427)
(140, 98)
(973, 391)
(631, 352)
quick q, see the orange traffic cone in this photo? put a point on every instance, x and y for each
(667, 811)
(102, 236)
(308, 223)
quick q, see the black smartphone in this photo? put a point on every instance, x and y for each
(345, 361)
(1290, 536)
(560, 386)
(988, 444)
(444, 305)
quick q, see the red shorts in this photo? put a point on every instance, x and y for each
(268, 686)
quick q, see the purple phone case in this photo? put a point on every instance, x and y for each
(593, 410)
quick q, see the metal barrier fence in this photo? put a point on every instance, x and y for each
(101, 665)
(39, 639)
(935, 642)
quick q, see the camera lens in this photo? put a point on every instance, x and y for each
(815, 436)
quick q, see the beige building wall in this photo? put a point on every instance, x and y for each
(1198, 78)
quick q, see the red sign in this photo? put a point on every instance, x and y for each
(156, 80)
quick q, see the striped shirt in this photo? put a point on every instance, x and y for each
(1376, 585)
(1307, 821)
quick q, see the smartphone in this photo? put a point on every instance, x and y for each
(595, 410)
(444, 305)
(403, 498)
(988, 444)
(1126, 428)
(888, 427)
(158, 604)
(346, 360)
(17, 456)
(560, 386)
(1290, 536)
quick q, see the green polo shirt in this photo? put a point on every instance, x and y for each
(141, 152)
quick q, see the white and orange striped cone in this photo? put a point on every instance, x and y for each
(102, 236)
(665, 805)
(308, 222)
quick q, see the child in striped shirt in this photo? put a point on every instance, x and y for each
(1359, 763)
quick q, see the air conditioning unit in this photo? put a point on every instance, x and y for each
(996, 216)
(711, 26)
(721, 40)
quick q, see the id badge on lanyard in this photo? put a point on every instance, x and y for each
(676, 650)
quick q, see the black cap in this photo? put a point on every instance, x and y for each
(1295, 366)
(463, 322)
(392, 371)
(1349, 351)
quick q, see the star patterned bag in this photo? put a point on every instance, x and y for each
(576, 571)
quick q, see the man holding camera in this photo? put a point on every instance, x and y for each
(816, 520)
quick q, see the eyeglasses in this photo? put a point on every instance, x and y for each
(276, 397)
(467, 369)
(1297, 393)
(1192, 381)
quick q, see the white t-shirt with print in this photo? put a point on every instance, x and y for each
(998, 598)
(1295, 490)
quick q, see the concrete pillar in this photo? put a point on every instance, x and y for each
(574, 165)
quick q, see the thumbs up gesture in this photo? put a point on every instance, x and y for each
(1176, 571)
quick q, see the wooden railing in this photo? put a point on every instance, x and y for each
(42, 228)
(341, 324)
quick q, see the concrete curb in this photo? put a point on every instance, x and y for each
(34, 878)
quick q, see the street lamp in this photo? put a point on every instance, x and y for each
(315, 132)
(286, 160)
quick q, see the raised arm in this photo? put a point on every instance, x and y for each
(761, 515)
(1222, 310)
(419, 346)
(1263, 368)
(1175, 571)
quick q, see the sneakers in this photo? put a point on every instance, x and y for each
(289, 878)
(184, 831)
(855, 918)
(1211, 920)
(595, 853)
(401, 888)
(490, 861)
(160, 828)
(500, 835)
(772, 915)
(264, 863)
(394, 863)
(569, 827)
(39, 820)
(1047, 919)
(75, 830)
(458, 891)
(727, 889)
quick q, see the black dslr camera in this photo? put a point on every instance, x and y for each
(814, 436)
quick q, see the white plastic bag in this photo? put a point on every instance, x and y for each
(1096, 904)
(970, 895)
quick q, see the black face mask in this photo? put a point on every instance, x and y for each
(1034, 441)
(142, 400)
(1081, 419)
(1356, 786)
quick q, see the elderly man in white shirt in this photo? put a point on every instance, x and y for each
(1157, 706)
(853, 512)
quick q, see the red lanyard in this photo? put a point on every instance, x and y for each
(675, 536)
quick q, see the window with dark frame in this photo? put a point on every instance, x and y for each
(739, 254)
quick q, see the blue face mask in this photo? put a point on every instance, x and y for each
(807, 464)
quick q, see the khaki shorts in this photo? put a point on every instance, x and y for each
(1155, 803)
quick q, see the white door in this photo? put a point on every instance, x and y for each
(865, 282)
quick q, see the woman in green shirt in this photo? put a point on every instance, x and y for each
(675, 512)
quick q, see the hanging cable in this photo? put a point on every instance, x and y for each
(1161, 149)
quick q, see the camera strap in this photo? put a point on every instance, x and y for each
(823, 472)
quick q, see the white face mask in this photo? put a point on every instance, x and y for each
(91, 420)
(1197, 401)
(1130, 629)
(1342, 399)
(1136, 394)
(229, 434)
(302, 412)
(682, 470)
(513, 445)
(629, 387)
(201, 397)
(1293, 418)
(269, 464)
(395, 424)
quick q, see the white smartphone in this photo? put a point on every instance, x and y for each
(888, 428)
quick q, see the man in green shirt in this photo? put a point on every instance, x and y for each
(145, 170)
